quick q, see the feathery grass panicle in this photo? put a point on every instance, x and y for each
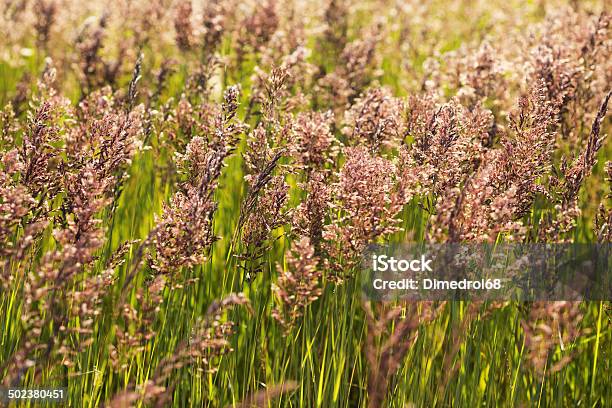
(185, 232)
(366, 199)
(298, 286)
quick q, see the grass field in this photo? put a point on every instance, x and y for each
(187, 189)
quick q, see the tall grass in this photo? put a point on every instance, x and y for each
(166, 330)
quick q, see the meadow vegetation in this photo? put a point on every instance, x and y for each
(187, 188)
